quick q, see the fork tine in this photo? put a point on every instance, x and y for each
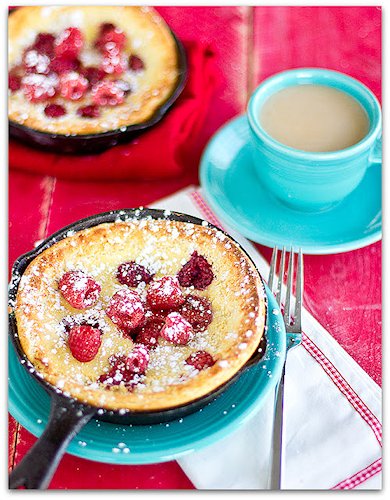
(294, 338)
(289, 291)
(280, 280)
(299, 292)
(272, 268)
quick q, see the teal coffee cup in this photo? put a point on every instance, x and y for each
(313, 181)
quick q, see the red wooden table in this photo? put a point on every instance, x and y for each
(342, 291)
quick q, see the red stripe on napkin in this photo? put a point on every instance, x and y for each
(360, 477)
(160, 152)
(344, 387)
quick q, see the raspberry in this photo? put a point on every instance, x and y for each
(73, 86)
(44, 44)
(79, 290)
(200, 360)
(136, 63)
(90, 111)
(196, 272)
(84, 342)
(126, 310)
(14, 81)
(39, 87)
(176, 329)
(104, 27)
(197, 311)
(132, 274)
(165, 293)
(111, 39)
(107, 94)
(37, 57)
(54, 110)
(119, 374)
(61, 65)
(34, 62)
(156, 318)
(69, 43)
(137, 361)
(93, 75)
(114, 64)
(149, 334)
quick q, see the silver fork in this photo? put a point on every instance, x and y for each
(294, 337)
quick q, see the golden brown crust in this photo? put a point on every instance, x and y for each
(148, 36)
(236, 294)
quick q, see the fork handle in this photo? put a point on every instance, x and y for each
(276, 466)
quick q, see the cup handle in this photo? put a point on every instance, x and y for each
(376, 152)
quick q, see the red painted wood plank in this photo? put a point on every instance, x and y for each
(346, 39)
(77, 473)
(28, 199)
(226, 30)
(342, 291)
(13, 428)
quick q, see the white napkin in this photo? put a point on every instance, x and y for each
(332, 412)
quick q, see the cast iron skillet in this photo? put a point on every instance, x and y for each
(95, 143)
(67, 415)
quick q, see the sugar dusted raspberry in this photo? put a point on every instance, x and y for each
(197, 272)
(149, 334)
(107, 94)
(84, 342)
(137, 361)
(14, 81)
(39, 87)
(80, 290)
(114, 64)
(132, 274)
(61, 65)
(119, 374)
(165, 293)
(136, 63)
(34, 62)
(154, 317)
(69, 43)
(44, 44)
(93, 74)
(197, 311)
(177, 329)
(200, 360)
(73, 86)
(90, 111)
(126, 310)
(110, 39)
(54, 110)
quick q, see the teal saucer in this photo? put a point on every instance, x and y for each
(237, 196)
(112, 443)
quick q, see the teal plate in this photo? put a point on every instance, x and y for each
(142, 444)
(236, 195)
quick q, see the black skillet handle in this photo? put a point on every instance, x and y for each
(37, 467)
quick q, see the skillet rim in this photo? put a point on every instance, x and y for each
(138, 213)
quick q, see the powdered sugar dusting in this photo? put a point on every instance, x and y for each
(161, 246)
